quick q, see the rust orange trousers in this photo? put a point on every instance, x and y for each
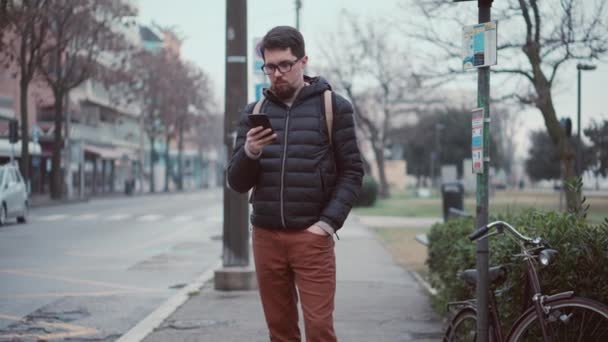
(291, 265)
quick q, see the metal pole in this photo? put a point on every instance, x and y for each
(483, 101)
(236, 208)
(67, 176)
(298, 8)
(579, 153)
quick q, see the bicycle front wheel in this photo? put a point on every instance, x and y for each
(573, 319)
(462, 327)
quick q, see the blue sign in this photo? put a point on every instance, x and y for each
(259, 88)
(477, 141)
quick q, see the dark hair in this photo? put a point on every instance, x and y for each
(283, 37)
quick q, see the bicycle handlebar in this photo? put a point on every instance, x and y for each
(482, 231)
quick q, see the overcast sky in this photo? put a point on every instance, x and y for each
(202, 23)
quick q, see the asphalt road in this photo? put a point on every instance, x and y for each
(91, 271)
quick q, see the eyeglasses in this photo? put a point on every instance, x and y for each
(283, 67)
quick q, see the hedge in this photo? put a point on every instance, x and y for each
(581, 265)
(369, 192)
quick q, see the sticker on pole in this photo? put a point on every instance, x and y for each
(477, 140)
(479, 45)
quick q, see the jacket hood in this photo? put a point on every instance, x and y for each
(317, 85)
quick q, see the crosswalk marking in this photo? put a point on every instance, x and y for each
(117, 217)
(182, 218)
(124, 217)
(149, 218)
(86, 217)
(53, 217)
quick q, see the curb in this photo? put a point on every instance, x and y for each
(158, 316)
(427, 287)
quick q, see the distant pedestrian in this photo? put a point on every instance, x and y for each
(305, 174)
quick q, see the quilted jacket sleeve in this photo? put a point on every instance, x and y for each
(242, 170)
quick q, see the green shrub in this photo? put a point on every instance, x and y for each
(581, 266)
(369, 192)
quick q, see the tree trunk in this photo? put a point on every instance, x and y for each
(180, 156)
(367, 168)
(379, 154)
(25, 154)
(167, 162)
(565, 148)
(568, 160)
(152, 162)
(56, 179)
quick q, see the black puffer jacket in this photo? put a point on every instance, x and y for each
(300, 179)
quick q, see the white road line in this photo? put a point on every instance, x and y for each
(184, 218)
(86, 217)
(117, 217)
(52, 217)
(149, 218)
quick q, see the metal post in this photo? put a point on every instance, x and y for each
(67, 147)
(483, 101)
(579, 154)
(235, 274)
(298, 8)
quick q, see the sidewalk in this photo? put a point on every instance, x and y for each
(376, 300)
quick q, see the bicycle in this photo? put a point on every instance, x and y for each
(558, 317)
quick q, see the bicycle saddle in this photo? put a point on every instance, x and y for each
(496, 275)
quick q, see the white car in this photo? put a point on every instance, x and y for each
(13, 194)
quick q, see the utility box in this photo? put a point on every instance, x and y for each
(452, 195)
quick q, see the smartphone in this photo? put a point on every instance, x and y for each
(260, 120)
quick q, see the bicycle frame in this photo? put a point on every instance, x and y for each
(539, 301)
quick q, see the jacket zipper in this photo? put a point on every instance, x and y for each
(283, 169)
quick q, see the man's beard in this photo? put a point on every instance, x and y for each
(283, 90)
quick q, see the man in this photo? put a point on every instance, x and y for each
(304, 185)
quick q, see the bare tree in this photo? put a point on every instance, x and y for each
(85, 39)
(173, 95)
(5, 14)
(541, 38)
(198, 97)
(376, 77)
(144, 88)
(26, 23)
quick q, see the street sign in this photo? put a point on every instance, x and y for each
(477, 140)
(259, 89)
(479, 45)
(258, 60)
(259, 79)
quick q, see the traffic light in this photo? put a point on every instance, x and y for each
(566, 125)
(13, 131)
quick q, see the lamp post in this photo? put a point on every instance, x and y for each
(298, 8)
(579, 149)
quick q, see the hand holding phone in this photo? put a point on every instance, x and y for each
(261, 133)
(260, 120)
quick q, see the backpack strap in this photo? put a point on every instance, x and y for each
(329, 113)
(258, 106)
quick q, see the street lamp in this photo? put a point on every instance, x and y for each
(579, 152)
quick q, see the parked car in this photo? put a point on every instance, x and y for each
(13, 194)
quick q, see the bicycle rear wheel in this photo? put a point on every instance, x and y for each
(573, 319)
(462, 327)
